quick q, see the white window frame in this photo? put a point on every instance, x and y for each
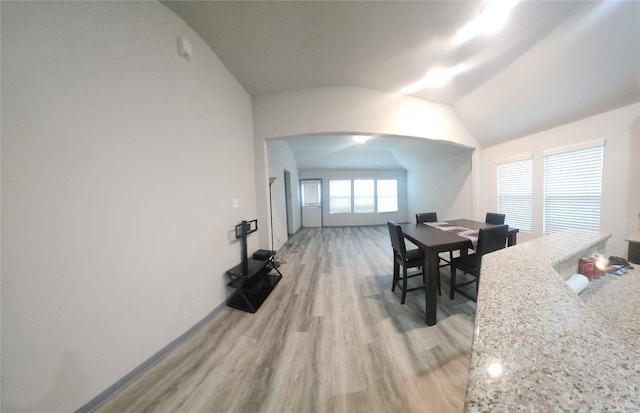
(332, 198)
(364, 203)
(380, 198)
(514, 182)
(376, 198)
(573, 187)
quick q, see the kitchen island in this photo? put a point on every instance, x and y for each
(538, 346)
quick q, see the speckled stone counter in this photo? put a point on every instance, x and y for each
(622, 317)
(540, 347)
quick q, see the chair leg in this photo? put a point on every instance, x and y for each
(439, 285)
(404, 284)
(396, 274)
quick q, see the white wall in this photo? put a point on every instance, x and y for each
(439, 179)
(119, 165)
(347, 109)
(620, 188)
(281, 158)
(336, 220)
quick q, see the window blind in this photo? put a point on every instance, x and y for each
(363, 196)
(310, 194)
(340, 197)
(387, 191)
(515, 192)
(573, 187)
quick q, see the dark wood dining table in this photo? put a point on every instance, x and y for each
(434, 241)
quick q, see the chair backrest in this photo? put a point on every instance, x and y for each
(397, 240)
(491, 239)
(426, 217)
(493, 218)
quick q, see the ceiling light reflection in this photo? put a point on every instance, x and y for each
(412, 88)
(436, 77)
(492, 18)
(361, 139)
(495, 14)
(467, 32)
(495, 370)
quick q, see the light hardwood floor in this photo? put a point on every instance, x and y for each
(331, 337)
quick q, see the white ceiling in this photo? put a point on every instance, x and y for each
(553, 63)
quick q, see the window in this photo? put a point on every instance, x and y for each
(363, 196)
(515, 192)
(311, 194)
(340, 197)
(369, 196)
(572, 187)
(387, 191)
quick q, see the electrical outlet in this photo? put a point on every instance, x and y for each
(185, 311)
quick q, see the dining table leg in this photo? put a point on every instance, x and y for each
(431, 285)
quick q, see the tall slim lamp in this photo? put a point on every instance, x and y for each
(273, 251)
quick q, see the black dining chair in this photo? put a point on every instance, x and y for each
(493, 218)
(406, 259)
(426, 217)
(489, 239)
(423, 217)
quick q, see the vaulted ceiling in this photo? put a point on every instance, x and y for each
(552, 63)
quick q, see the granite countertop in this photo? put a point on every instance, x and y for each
(621, 316)
(538, 346)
